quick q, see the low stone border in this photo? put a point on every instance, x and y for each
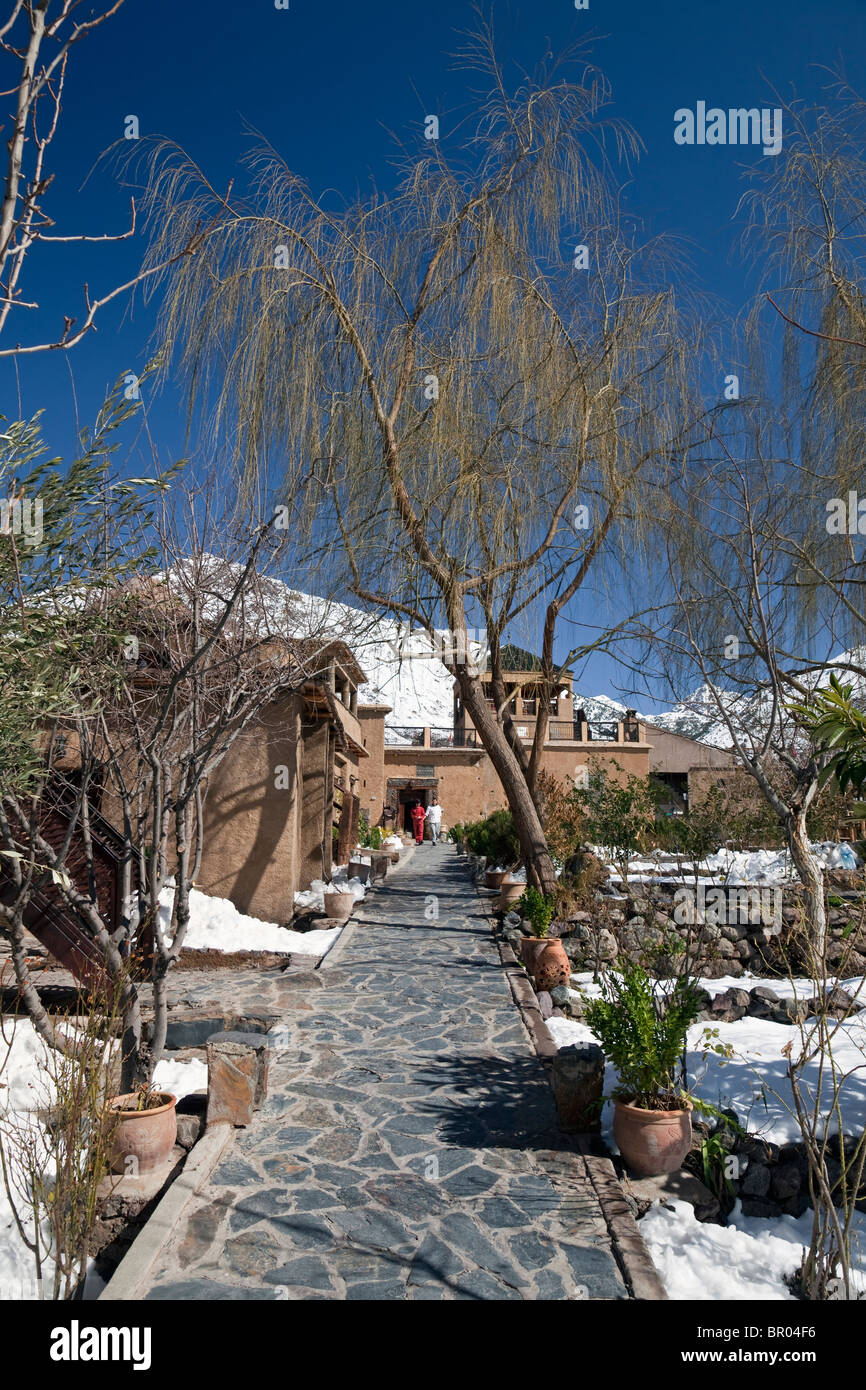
(128, 1280)
(521, 989)
(630, 1249)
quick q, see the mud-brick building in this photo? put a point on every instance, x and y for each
(451, 763)
(687, 768)
(283, 806)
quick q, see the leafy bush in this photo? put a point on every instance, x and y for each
(456, 833)
(494, 839)
(537, 909)
(369, 837)
(643, 1034)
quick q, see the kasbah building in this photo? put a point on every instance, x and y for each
(411, 764)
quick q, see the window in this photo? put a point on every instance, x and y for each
(425, 770)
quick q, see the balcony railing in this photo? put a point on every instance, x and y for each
(454, 738)
(603, 730)
(559, 730)
(398, 737)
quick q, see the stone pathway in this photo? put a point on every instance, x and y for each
(408, 1148)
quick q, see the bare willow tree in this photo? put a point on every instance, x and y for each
(38, 39)
(480, 381)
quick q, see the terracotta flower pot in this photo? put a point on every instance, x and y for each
(143, 1139)
(510, 893)
(359, 870)
(494, 878)
(652, 1142)
(552, 966)
(531, 948)
(339, 906)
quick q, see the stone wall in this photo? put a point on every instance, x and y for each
(746, 933)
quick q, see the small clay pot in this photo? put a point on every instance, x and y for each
(510, 893)
(652, 1142)
(494, 878)
(552, 966)
(339, 906)
(359, 870)
(143, 1139)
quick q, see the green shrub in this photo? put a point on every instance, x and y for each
(494, 839)
(643, 1034)
(456, 833)
(537, 909)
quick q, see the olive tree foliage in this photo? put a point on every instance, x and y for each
(479, 381)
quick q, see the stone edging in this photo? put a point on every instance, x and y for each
(630, 1249)
(128, 1280)
(521, 990)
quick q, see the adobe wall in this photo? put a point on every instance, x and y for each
(469, 788)
(672, 753)
(251, 817)
(371, 772)
(316, 805)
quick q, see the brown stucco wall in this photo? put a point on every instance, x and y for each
(673, 753)
(469, 788)
(251, 823)
(316, 804)
(371, 772)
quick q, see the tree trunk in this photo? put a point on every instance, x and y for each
(527, 823)
(809, 871)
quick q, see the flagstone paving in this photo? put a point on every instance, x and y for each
(408, 1148)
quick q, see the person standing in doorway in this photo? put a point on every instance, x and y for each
(417, 814)
(434, 819)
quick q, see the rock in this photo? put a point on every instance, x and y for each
(756, 1182)
(760, 1207)
(785, 1181)
(545, 1003)
(237, 1065)
(726, 949)
(189, 1129)
(578, 1078)
(731, 1005)
(639, 907)
(763, 1002)
(682, 1186)
(560, 996)
(605, 944)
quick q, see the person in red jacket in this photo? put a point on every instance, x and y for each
(417, 813)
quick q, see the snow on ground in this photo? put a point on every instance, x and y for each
(216, 925)
(180, 1078)
(757, 866)
(754, 1082)
(25, 1089)
(747, 1259)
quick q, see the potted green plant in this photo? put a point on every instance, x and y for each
(145, 1130)
(642, 1032)
(544, 957)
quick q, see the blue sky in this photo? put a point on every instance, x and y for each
(329, 83)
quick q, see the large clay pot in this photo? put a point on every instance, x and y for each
(143, 1139)
(552, 966)
(652, 1142)
(531, 948)
(494, 878)
(339, 906)
(357, 869)
(509, 894)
